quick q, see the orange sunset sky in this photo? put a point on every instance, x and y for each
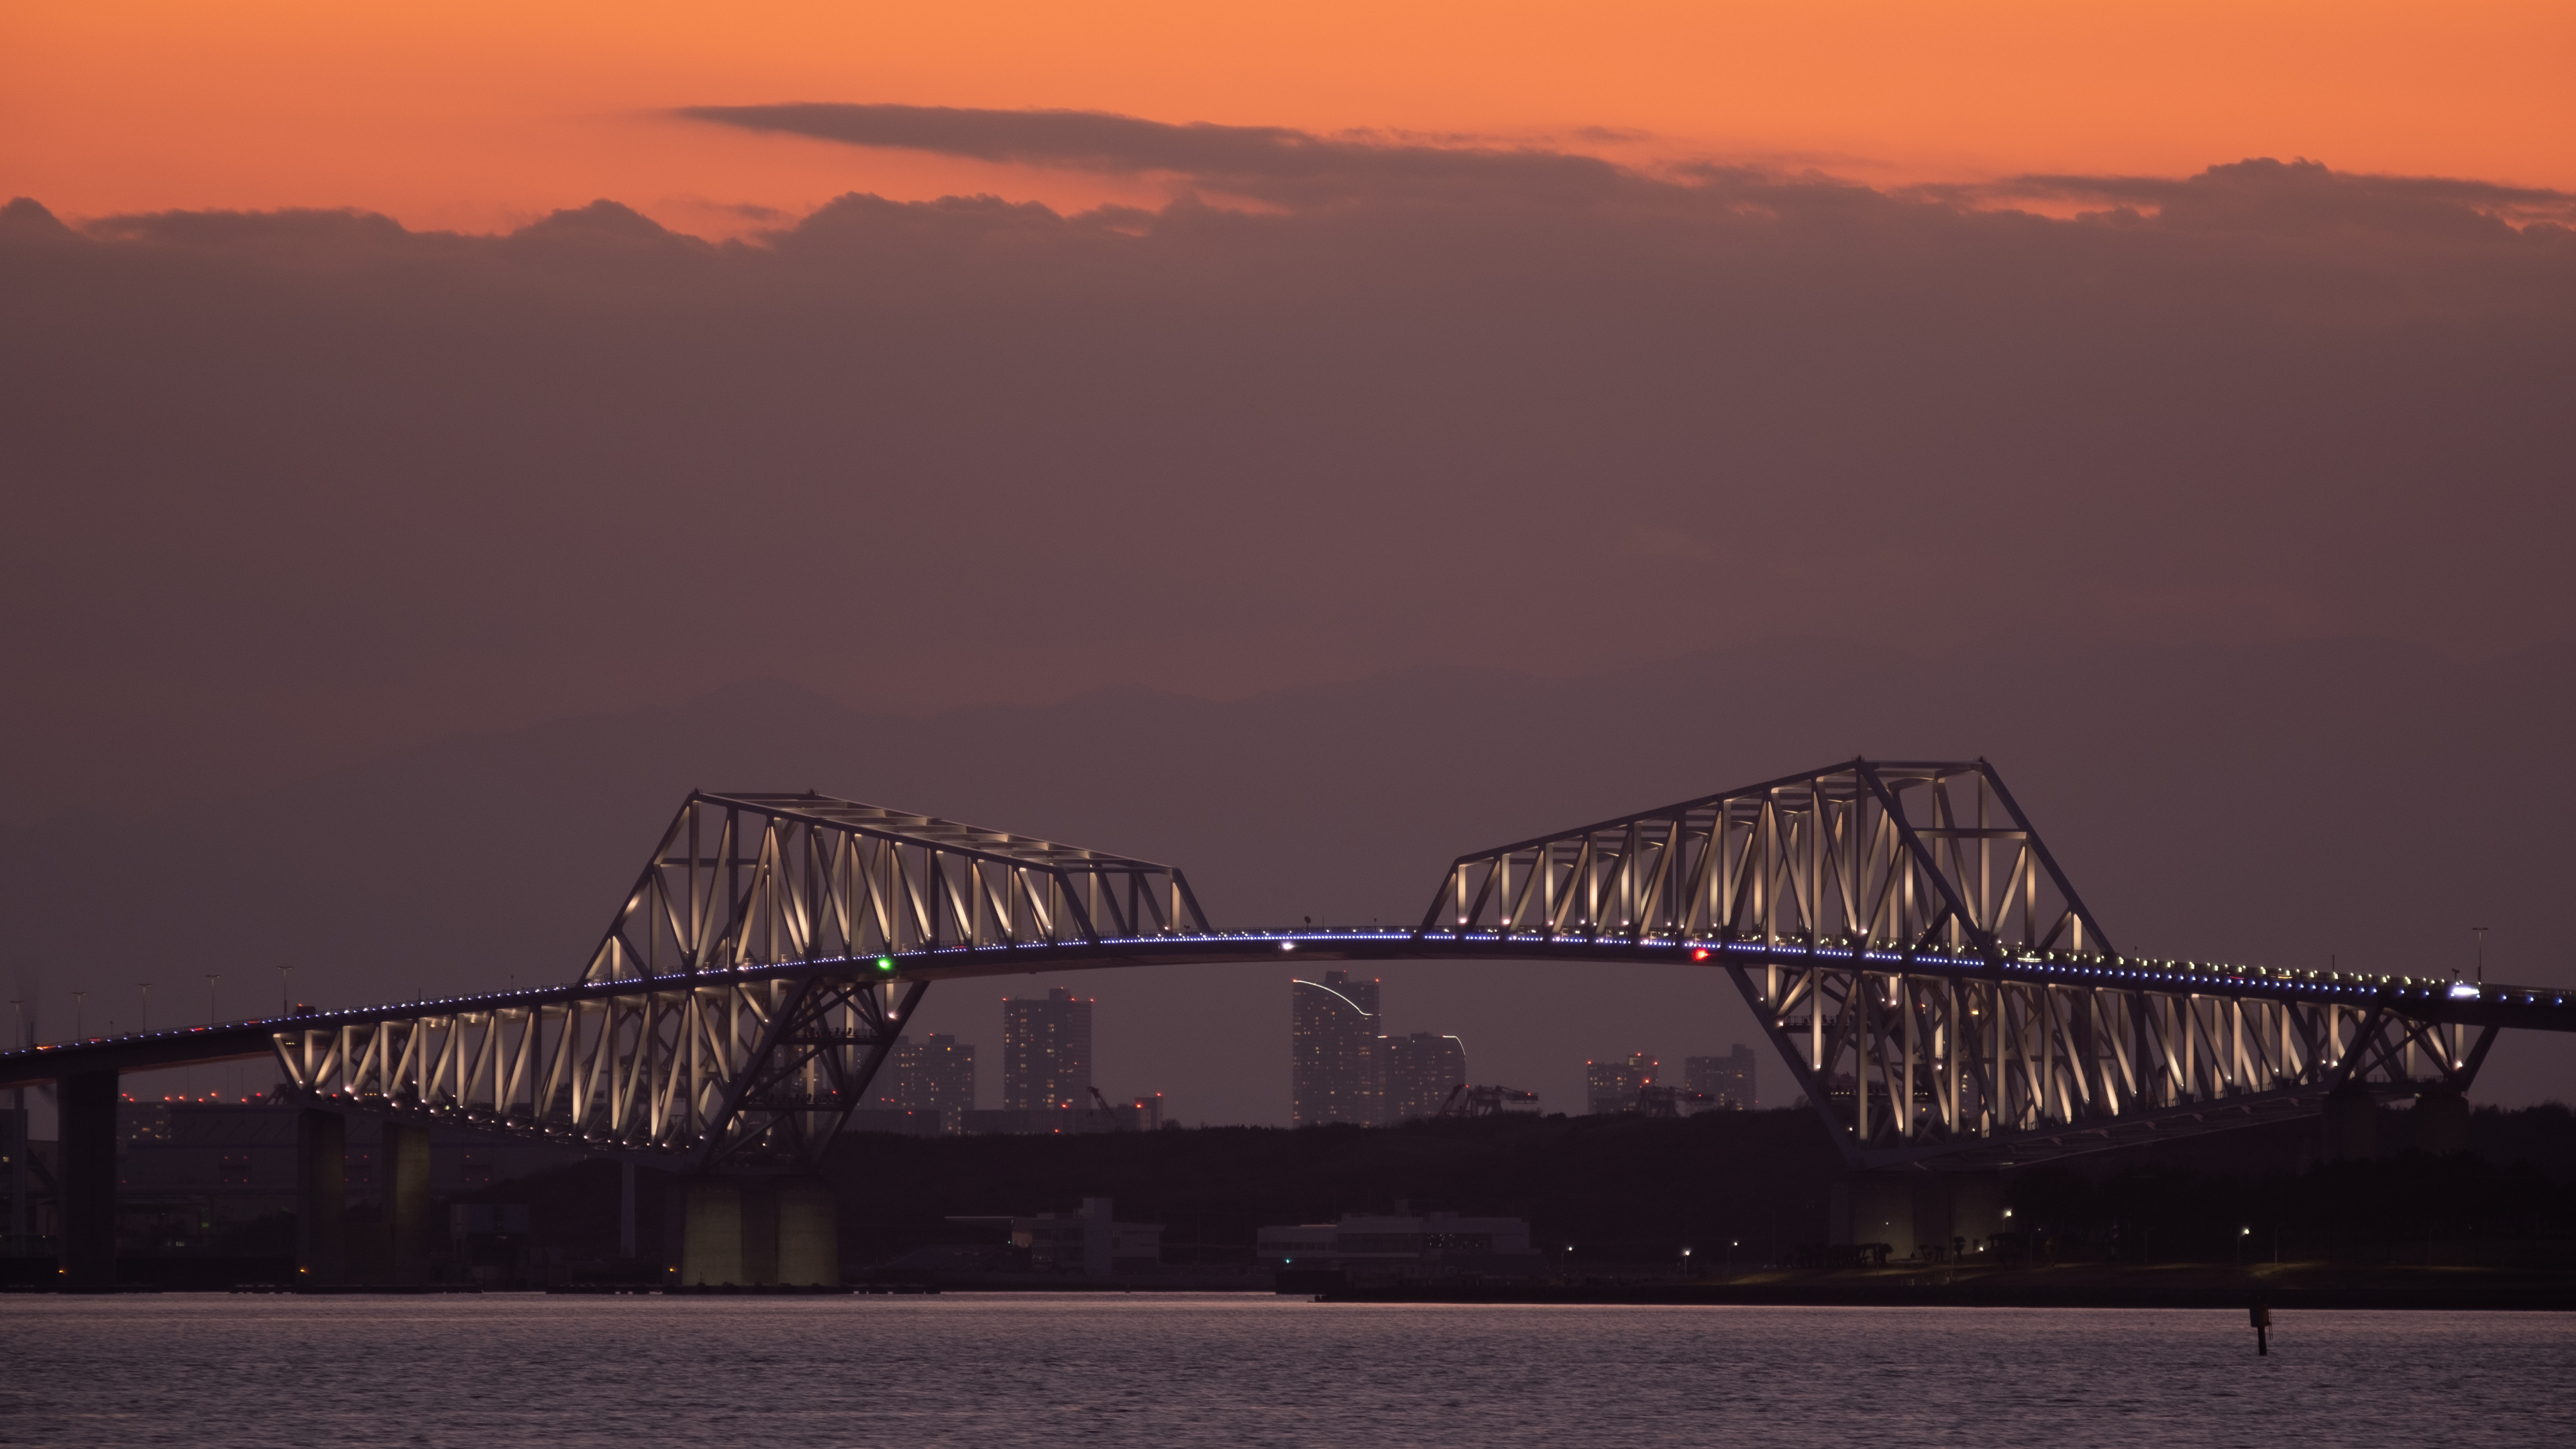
(481, 116)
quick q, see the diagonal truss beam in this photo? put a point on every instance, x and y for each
(756, 1074)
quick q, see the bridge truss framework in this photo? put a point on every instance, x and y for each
(1938, 990)
(1921, 964)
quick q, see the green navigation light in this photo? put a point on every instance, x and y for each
(885, 963)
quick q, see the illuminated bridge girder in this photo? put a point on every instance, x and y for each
(757, 1074)
(1934, 983)
(747, 990)
(755, 879)
(1951, 1063)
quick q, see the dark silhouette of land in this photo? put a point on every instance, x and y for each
(1628, 1193)
(2204, 1219)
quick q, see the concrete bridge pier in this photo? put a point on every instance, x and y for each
(322, 1198)
(2441, 1120)
(404, 1184)
(88, 1130)
(760, 1231)
(2351, 1126)
(711, 1234)
(809, 1231)
(1914, 1211)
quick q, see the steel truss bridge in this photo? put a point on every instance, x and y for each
(1940, 993)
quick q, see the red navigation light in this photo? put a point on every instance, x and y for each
(1700, 954)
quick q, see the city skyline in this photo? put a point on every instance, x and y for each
(1732, 1081)
(1344, 1066)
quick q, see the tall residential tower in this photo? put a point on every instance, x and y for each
(1046, 1052)
(936, 1077)
(1421, 1071)
(1336, 1074)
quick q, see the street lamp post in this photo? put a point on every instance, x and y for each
(211, 978)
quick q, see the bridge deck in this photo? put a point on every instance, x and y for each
(2422, 998)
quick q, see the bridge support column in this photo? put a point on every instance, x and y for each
(2351, 1126)
(625, 1210)
(760, 1231)
(711, 1234)
(809, 1232)
(2441, 1120)
(89, 1181)
(322, 1201)
(1976, 1211)
(1919, 1214)
(14, 1142)
(405, 1181)
(1877, 1207)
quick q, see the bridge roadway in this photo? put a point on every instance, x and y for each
(2441, 1000)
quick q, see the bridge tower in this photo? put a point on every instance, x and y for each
(742, 999)
(1941, 994)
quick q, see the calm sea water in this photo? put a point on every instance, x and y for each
(1044, 1369)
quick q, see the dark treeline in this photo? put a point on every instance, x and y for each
(2508, 1200)
(1619, 1189)
(2410, 1208)
(1633, 1191)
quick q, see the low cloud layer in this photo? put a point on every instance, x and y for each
(1267, 162)
(291, 484)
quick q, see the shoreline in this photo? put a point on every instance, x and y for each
(2201, 1286)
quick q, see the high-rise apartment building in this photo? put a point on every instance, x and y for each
(1421, 1071)
(1727, 1081)
(1335, 1073)
(1618, 1086)
(936, 1076)
(1046, 1052)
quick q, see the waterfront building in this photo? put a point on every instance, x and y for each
(1046, 1052)
(1726, 1081)
(1335, 1071)
(1402, 1244)
(1421, 1071)
(1618, 1086)
(1091, 1242)
(901, 1123)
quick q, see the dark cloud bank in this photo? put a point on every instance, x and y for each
(2230, 518)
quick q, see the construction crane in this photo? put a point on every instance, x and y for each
(1661, 1101)
(1467, 1101)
